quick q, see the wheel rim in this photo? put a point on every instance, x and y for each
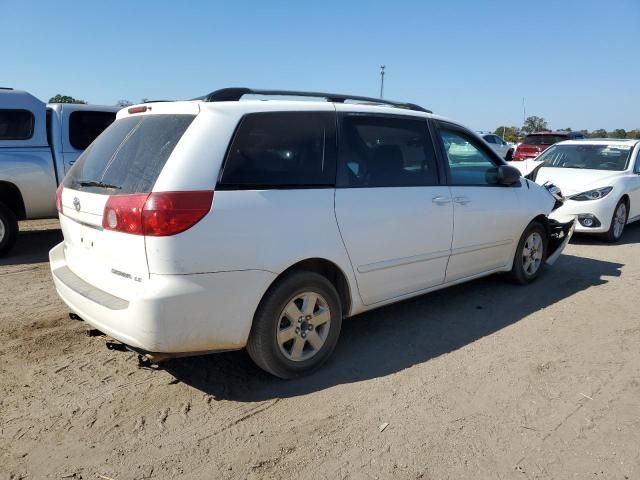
(2, 231)
(532, 253)
(619, 220)
(303, 326)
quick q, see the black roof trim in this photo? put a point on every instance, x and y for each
(235, 94)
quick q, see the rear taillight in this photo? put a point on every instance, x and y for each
(140, 109)
(59, 198)
(156, 214)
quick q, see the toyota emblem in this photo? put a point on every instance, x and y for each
(76, 204)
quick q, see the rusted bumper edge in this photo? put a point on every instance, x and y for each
(559, 236)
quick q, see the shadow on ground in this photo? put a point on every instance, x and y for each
(396, 337)
(32, 247)
(631, 235)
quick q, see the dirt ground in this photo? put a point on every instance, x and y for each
(483, 380)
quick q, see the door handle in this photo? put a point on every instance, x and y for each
(462, 200)
(441, 200)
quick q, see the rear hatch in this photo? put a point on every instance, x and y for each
(534, 145)
(103, 243)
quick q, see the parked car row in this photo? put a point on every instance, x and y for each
(218, 224)
(224, 222)
(38, 144)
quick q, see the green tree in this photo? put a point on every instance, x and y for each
(123, 103)
(634, 134)
(534, 124)
(510, 134)
(599, 133)
(65, 99)
(618, 133)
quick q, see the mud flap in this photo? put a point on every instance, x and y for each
(559, 236)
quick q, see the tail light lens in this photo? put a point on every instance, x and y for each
(59, 198)
(156, 214)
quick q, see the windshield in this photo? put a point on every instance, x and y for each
(590, 157)
(129, 155)
(543, 139)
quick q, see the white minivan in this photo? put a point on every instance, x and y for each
(228, 222)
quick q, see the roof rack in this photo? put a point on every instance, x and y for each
(235, 94)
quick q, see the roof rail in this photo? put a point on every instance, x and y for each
(235, 94)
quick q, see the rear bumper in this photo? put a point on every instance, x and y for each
(175, 313)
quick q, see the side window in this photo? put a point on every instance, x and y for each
(282, 150)
(637, 169)
(489, 139)
(85, 126)
(16, 124)
(469, 164)
(385, 151)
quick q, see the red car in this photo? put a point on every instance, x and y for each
(536, 143)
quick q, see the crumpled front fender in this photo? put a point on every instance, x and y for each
(559, 236)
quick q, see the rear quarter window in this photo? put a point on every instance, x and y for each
(16, 124)
(129, 155)
(85, 126)
(282, 150)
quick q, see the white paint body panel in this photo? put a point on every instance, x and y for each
(398, 239)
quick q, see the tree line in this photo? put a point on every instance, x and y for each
(538, 124)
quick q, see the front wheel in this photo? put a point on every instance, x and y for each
(530, 254)
(296, 326)
(8, 229)
(618, 222)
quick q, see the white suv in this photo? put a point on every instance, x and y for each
(502, 148)
(209, 225)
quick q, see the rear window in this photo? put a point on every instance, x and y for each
(85, 126)
(543, 139)
(129, 156)
(282, 150)
(16, 124)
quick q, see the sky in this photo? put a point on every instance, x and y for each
(576, 63)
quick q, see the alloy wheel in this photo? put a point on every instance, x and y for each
(303, 326)
(532, 254)
(619, 220)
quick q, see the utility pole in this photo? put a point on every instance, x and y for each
(524, 112)
(382, 67)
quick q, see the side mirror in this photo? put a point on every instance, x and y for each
(508, 175)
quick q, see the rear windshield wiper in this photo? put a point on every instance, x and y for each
(93, 183)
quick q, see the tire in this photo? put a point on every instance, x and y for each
(509, 156)
(8, 229)
(523, 270)
(618, 222)
(281, 344)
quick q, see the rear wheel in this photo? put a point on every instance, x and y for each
(618, 222)
(8, 229)
(530, 254)
(297, 325)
